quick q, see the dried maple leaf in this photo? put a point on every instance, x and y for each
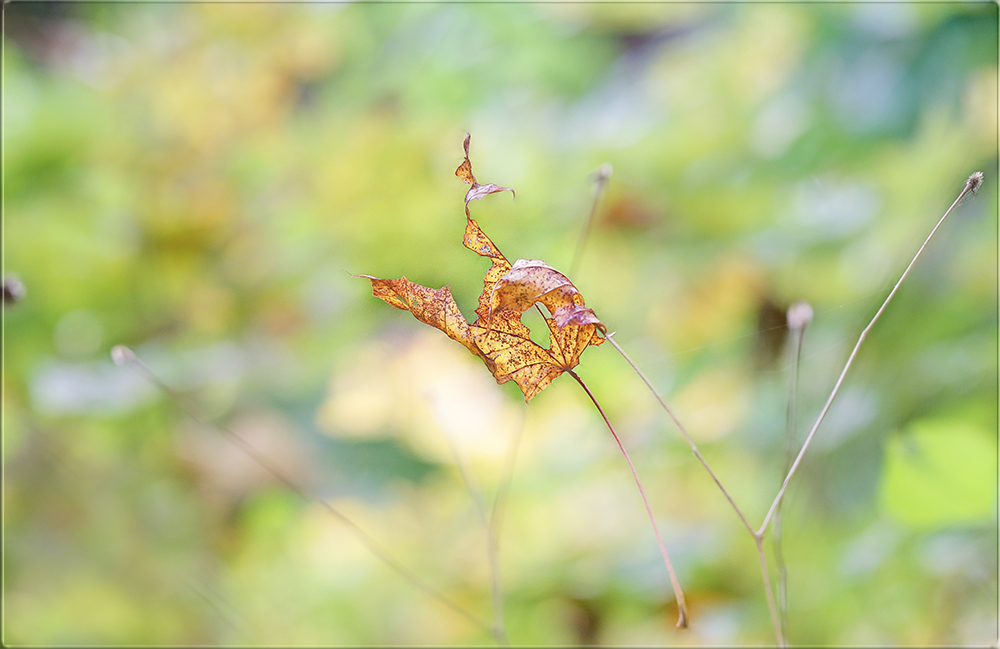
(498, 336)
(435, 307)
(477, 191)
(530, 281)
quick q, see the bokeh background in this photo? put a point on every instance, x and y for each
(199, 181)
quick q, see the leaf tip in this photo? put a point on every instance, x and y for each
(464, 170)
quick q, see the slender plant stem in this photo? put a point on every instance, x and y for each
(779, 560)
(492, 547)
(680, 426)
(125, 357)
(757, 537)
(601, 177)
(496, 592)
(678, 593)
(971, 185)
(766, 574)
(798, 318)
(510, 460)
(495, 519)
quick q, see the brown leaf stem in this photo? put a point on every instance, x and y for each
(680, 427)
(758, 537)
(682, 621)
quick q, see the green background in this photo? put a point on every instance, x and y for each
(198, 181)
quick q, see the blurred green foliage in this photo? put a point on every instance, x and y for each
(193, 180)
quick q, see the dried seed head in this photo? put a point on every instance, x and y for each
(799, 315)
(602, 174)
(974, 182)
(122, 355)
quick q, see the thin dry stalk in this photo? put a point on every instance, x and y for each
(971, 185)
(798, 318)
(495, 522)
(680, 427)
(678, 593)
(492, 545)
(125, 357)
(510, 460)
(758, 537)
(600, 177)
(766, 574)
